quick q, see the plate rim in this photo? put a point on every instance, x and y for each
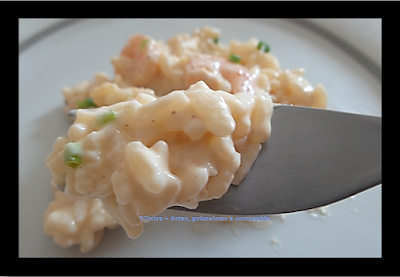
(372, 67)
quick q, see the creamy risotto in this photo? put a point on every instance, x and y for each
(185, 59)
(142, 156)
(77, 221)
(179, 123)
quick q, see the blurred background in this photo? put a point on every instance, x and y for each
(344, 28)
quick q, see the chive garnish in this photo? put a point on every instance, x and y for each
(234, 58)
(72, 154)
(143, 43)
(105, 118)
(263, 46)
(87, 103)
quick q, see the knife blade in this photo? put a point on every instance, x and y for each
(313, 158)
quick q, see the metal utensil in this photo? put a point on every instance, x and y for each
(313, 158)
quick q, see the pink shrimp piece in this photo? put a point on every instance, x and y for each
(218, 73)
(143, 64)
(239, 77)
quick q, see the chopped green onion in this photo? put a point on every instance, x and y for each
(234, 58)
(87, 103)
(262, 45)
(143, 44)
(72, 154)
(105, 118)
(216, 40)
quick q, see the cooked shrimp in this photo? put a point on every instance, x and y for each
(239, 77)
(138, 62)
(218, 73)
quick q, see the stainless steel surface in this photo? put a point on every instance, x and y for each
(312, 158)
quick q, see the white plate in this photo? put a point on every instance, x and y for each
(76, 52)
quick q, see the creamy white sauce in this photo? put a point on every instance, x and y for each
(78, 221)
(179, 149)
(182, 148)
